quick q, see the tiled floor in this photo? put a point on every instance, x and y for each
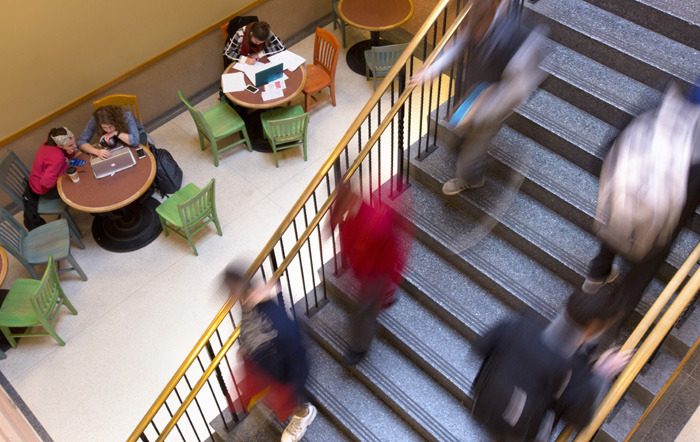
(140, 313)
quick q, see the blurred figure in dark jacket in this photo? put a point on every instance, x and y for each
(532, 375)
(273, 355)
(370, 239)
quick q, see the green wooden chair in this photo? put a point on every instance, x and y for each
(380, 59)
(216, 123)
(32, 303)
(284, 128)
(188, 210)
(14, 176)
(39, 245)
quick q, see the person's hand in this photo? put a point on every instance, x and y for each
(250, 60)
(612, 362)
(103, 154)
(108, 135)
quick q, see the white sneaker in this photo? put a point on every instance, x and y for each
(456, 185)
(591, 286)
(298, 425)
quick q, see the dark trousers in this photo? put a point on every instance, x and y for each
(32, 220)
(363, 321)
(642, 272)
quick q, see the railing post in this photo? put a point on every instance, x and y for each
(224, 390)
(273, 263)
(401, 115)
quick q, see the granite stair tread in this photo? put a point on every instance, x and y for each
(668, 57)
(564, 129)
(519, 280)
(350, 404)
(623, 418)
(626, 95)
(261, 425)
(679, 20)
(418, 398)
(572, 186)
(522, 221)
(428, 339)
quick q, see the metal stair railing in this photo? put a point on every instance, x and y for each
(392, 137)
(648, 346)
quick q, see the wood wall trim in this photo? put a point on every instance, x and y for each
(128, 74)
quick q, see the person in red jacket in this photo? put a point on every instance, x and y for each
(369, 236)
(50, 162)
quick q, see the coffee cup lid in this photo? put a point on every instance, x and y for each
(71, 170)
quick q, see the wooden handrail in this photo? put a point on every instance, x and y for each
(301, 201)
(647, 348)
(649, 319)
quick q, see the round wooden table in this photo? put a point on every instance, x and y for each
(294, 84)
(123, 222)
(373, 16)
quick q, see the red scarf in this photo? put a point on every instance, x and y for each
(247, 47)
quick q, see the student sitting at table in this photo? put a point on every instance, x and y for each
(252, 42)
(50, 161)
(112, 121)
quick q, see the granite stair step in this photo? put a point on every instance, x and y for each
(630, 49)
(543, 234)
(261, 425)
(432, 410)
(499, 267)
(564, 188)
(678, 20)
(349, 404)
(564, 129)
(439, 349)
(621, 421)
(595, 88)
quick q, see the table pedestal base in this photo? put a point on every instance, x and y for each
(128, 228)
(356, 54)
(255, 131)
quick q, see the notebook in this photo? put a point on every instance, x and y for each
(120, 158)
(269, 74)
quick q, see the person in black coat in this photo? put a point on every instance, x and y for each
(532, 375)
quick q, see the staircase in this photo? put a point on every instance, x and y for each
(489, 253)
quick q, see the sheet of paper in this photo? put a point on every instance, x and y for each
(233, 82)
(272, 94)
(290, 60)
(276, 84)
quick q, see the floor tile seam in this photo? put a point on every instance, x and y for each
(424, 351)
(448, 303)
(598, 34)
(562, 131)
(585, 206)
(374, 376)
(339, 410)
(581, 83)
(28, 370)
(491, 271)
(526, 233)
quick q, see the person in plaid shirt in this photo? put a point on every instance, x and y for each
(252, 42)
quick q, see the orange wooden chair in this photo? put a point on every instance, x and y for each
(321, 74)
(224, 30)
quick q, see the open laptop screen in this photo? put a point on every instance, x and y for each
(269, 74)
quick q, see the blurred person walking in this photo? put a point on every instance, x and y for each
(649, 189)
(502, 69)
(273, 354)
(532, 375)
(370, 239)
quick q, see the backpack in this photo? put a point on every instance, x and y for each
(644, 179)
(168, 174)
(519, 380)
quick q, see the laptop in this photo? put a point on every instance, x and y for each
(120, 158)
(269, 74)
